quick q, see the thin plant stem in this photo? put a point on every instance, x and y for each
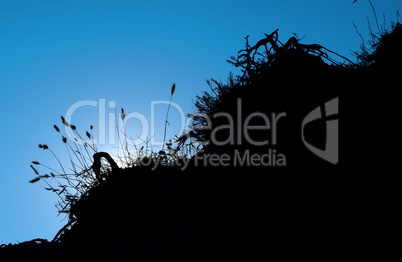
(166, 122)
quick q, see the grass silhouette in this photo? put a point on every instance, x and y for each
(87, 170)
(310, 208)
(69, 186)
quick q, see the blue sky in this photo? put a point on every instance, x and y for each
(54, 54)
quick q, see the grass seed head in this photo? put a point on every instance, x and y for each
(122, 115)
(64, 121)
(173, 89)
(36, 179)
(44, 146)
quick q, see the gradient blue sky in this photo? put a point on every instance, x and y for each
(56, 53)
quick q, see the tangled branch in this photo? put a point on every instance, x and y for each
(251, 59)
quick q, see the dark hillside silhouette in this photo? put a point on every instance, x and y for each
(310, 208)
